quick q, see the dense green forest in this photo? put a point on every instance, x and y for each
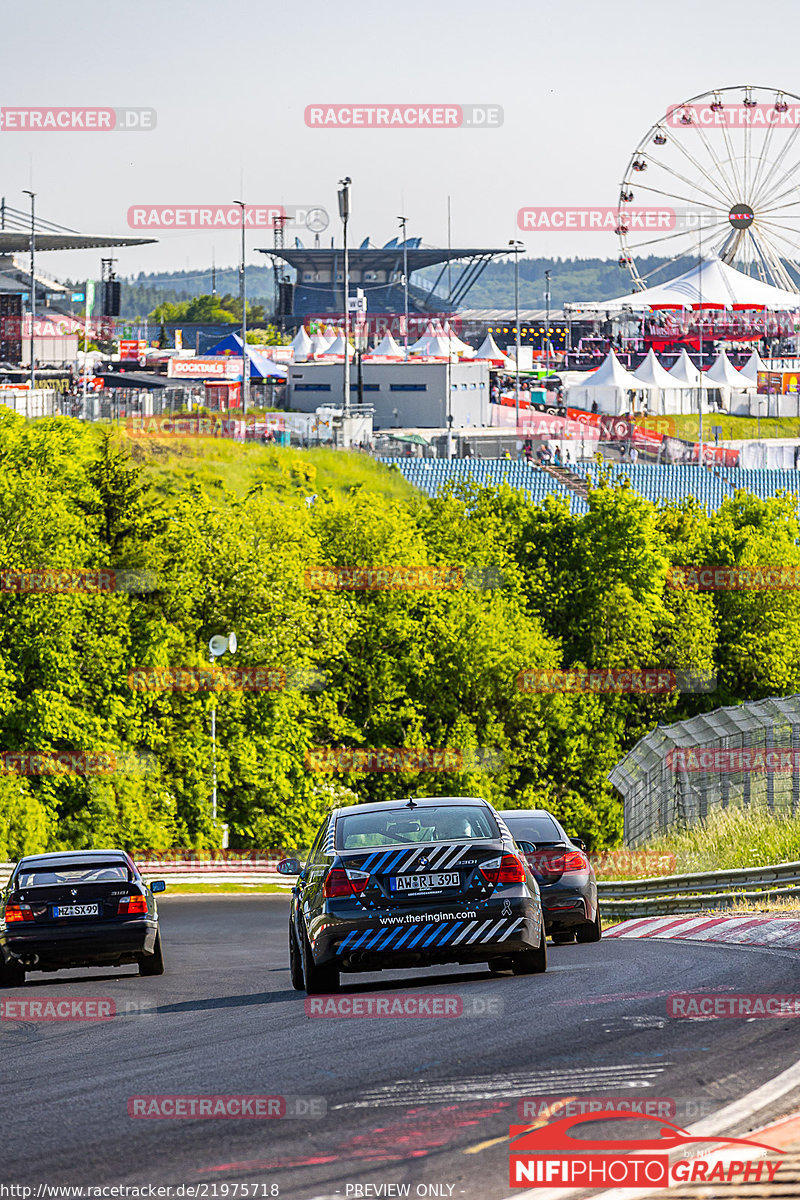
(226, 534)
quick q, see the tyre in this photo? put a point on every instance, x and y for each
(317, 980)
(531, 962)
(11, 974)
(564, 937)
(295, 960)
(592, 931)
(153, 964)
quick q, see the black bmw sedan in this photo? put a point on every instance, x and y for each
(563, 871)
(78, 908)
(412, 883)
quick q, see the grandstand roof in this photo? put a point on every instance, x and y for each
(14, 241)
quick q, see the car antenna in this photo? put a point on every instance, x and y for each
(411, 803)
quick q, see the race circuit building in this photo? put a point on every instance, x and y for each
(318, 288)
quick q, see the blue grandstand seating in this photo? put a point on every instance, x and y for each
(657, 483)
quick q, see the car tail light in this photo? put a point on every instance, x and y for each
(507, 869)
(575, 860)
(132, 906)
(552, 863)
(339, 882)
(18, 912)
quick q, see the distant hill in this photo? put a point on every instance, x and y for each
(572, 279)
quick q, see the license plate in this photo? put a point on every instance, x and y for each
(424, 883)
(76, 910)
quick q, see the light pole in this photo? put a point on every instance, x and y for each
(218, 644)
(547, 321)
(344, 213)
(33, 281)
(516, 247)
(402, 221)
(243, 297)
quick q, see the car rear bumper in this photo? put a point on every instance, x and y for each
(392, 940)
(567, 905)
(80, 944)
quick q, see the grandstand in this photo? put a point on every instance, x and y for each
(430, 475)
(710, 485)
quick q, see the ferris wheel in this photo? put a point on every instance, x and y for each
(725, 165)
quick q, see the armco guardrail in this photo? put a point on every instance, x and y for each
(697, 892)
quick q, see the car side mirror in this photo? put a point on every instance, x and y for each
(576, 841)
(158, 885)
(527, 847)
(289, 866)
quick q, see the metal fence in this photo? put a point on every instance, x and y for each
(746, 756)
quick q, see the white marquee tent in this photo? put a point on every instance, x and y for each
(710, 282)
(387, 347)
(301, 345)
(609, 387)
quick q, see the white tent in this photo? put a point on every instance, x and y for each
(462, 348)
(608, 387)
(686, 373)
(330, 332)
(337, 346)
(665, 387)
(490, 350)
(387, 347)
(723, 373)
(754, 364)
(301, 345)
(436, 346)
(710, 282)
(319, 345)
(422, 341)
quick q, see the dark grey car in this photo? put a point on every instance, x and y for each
(563, 871)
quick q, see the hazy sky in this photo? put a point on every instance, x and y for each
(579, 82)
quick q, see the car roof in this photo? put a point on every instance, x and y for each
(419, 802)
(527, 812)
(71, 857)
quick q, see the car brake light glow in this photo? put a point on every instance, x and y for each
(556, 862)
(507, 869)
(18, 912)
(132, 906)
(341, 882)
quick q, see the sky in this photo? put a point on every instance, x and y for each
(579, 84)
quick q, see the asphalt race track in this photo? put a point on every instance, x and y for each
(422, 1101)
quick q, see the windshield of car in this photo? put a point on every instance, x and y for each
(48, 875)
(436, 823)
(533, 829)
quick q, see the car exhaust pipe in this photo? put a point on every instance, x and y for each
(26, 960)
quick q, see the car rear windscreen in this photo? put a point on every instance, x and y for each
(533, 829)
(437, 823)
(47, 875)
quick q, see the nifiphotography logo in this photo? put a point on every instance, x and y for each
(550, 1156)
